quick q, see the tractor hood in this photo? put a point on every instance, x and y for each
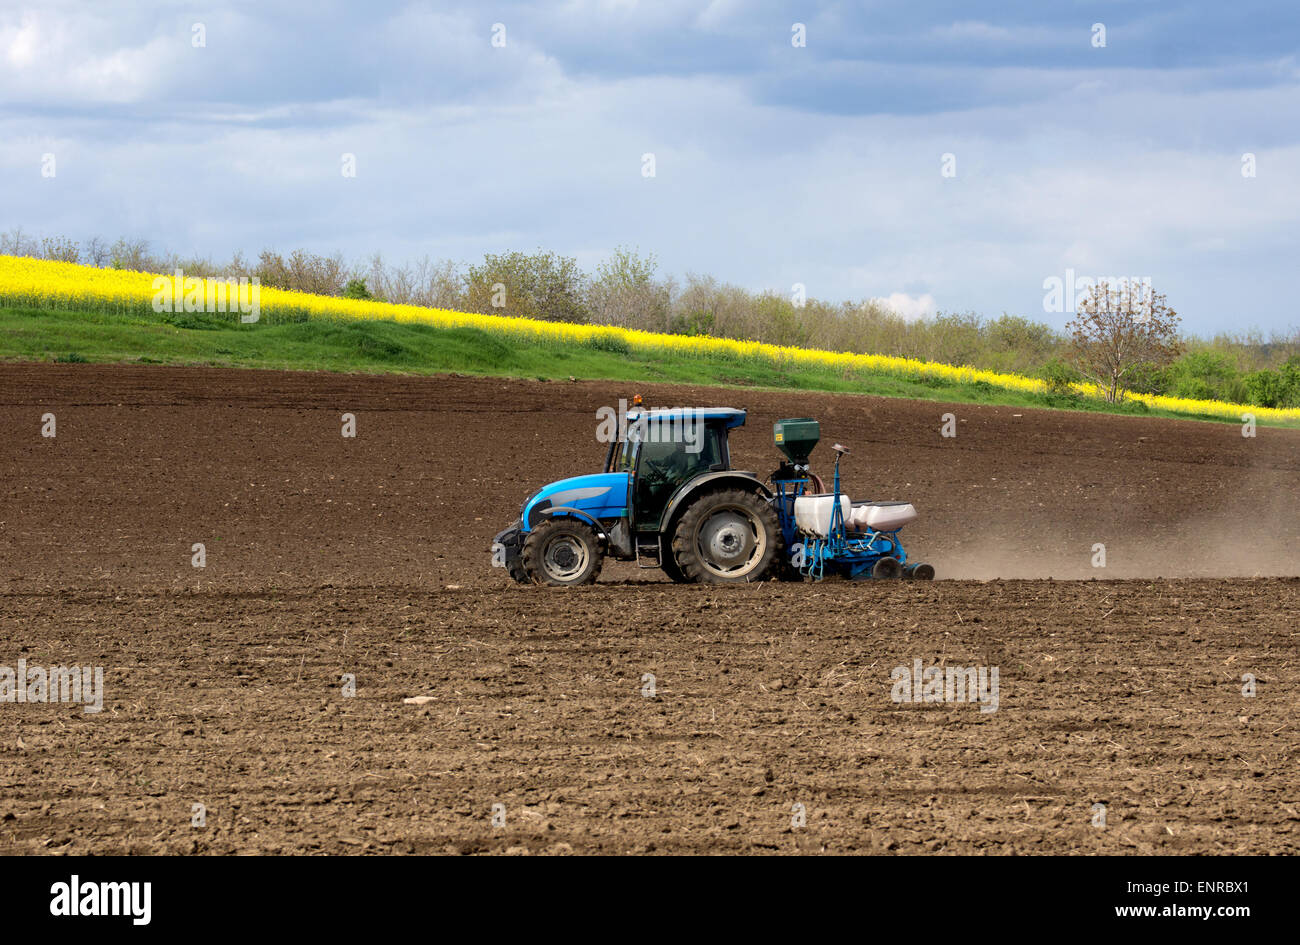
(601, 495)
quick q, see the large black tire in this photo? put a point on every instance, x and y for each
(563, 552)
(670, 567)
(729, 536)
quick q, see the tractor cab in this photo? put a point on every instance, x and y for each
(662, 451)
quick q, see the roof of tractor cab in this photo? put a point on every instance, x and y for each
(730, 416)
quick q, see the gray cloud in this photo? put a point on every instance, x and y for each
(775, 165)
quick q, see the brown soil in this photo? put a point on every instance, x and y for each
(369, 556)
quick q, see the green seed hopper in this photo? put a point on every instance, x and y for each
(796, 438)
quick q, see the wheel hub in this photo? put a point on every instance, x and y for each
(727, 541)
(565, 557)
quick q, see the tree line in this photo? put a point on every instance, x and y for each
(628, 290)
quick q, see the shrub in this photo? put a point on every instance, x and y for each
(1147, 378)
(608, 341)
(1059, 377)
(541, 285)
(1201, 375)
(694, 323)
(1265, 388)
(356, 289)
(1291, 382)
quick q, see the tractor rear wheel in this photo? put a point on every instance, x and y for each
(563, 552)
(727, 537)
(670, 567)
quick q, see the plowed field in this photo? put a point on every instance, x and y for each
(635, 715)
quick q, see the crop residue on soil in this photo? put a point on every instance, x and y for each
(330, 557)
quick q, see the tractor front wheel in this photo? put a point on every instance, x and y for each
(727, 537)
(563, 552)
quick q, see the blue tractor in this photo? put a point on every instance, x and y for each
(668, 498)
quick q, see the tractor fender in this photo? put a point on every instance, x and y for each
(563, 510)
(735, 478)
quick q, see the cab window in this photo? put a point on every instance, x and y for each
(625, 461)
(665, 465)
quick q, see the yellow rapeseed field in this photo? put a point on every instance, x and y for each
(46, 284)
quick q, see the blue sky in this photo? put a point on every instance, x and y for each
(774, 164)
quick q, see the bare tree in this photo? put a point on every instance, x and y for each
(97, 252)
(60, 249)
(132, 254)
(437, 283)
(625, 292)
(17, 243)
(302, 272)
(1118, 328)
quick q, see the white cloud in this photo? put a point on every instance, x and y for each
(48, 56)
(909, 307)
(981, 32)
(20, 42)
(464, 149)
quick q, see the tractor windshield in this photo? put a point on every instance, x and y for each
(665, 465)
(626, 459)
